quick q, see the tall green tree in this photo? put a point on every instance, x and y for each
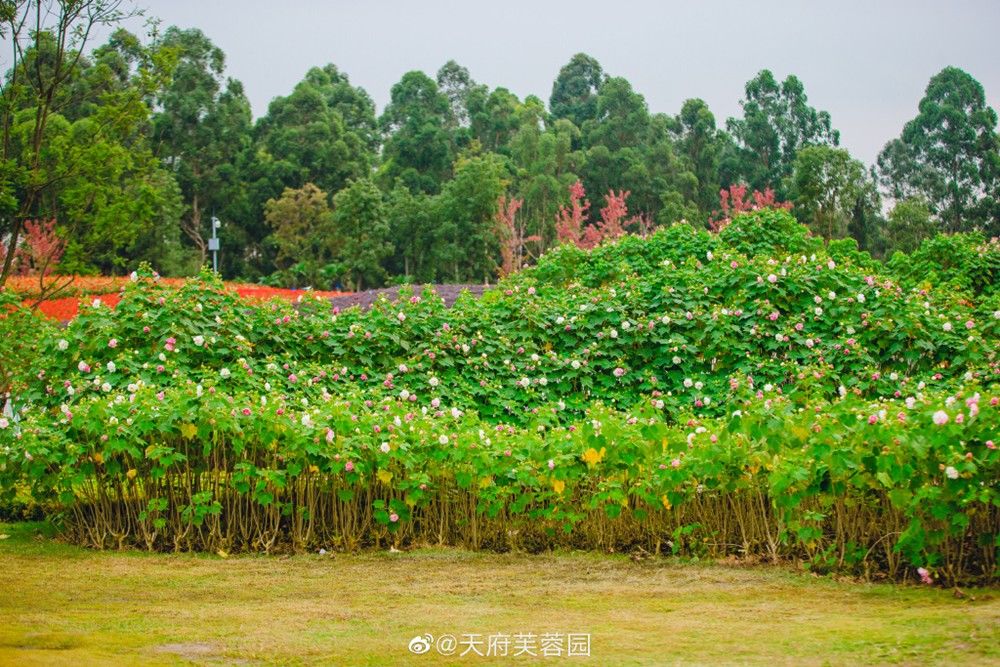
(777, 122)
(616, 141)
(544, 166)
(324, 132)
(360, 219)
(494, 118)
(671, 191)
(574, 92)
(412, 227)
(621, 120)
(826, 185)
(466, 248)
(201, 126)
(114, 203)
(303, 232)
(628, 149)
(949, 155)
(52, 36)
(455, 83)
(702, 145)
(418, 145)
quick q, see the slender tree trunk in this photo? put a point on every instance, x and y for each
(192, 228)
(31, 196)
(8, 261)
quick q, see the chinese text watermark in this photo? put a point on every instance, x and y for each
(473, 644)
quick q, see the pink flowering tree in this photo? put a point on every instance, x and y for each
(614, 214)
(41, 248)
(734, 200)
(38, 254)
(514, 241)
(571, 222)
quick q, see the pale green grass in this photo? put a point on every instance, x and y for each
(60, 605)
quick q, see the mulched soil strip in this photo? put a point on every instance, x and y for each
(366, 298)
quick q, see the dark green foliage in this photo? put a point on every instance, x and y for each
(967, 263)
(768, 232)
(574, 93)
(418, 147)
(777, 122)
(466, 246)
(703, 146)
(910, 222)
(949, 155)
(74, 144)
(200, 126)
(361, 223)
(142, 143)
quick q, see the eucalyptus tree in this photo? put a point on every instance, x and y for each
(201, 126)
(324, 132)
(949, 155)
(574, 92)
(418, 146)
(777, 122)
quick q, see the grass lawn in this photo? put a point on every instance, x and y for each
(60, 605)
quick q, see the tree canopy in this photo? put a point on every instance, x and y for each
(949, 155)
(133, 145)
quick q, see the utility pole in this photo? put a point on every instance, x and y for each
(213, 243)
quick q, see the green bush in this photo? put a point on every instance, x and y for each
(22, 331)
(962, 262)
(770, 232)
(750, 393)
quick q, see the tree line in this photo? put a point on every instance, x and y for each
(133, 146)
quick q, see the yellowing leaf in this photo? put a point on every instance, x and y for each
(384, 476)
(485, 481)
(314, 469)
(189, 430)
(666, 502)
(592, 457)
(558, 486)
(222, 554)
(98, 457)
(131, 473)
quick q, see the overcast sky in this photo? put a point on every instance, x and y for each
(867, 62)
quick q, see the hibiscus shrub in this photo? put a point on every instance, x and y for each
(748, 393)
(22, 331)
(963, 262)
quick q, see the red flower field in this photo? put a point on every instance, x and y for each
(107, 288)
